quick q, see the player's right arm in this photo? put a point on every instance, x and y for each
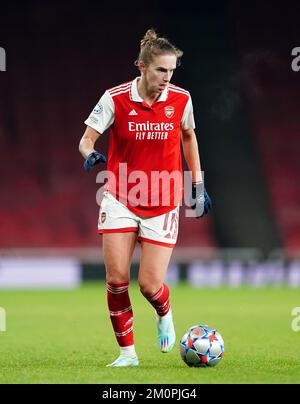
(100, 119)
(86, 148)
(87, 142)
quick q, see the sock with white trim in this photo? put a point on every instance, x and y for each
(121, 313)
(160, 300)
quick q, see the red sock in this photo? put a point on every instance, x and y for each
(121, 314)
(160, 300)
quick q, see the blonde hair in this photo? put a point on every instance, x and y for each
(152, 45)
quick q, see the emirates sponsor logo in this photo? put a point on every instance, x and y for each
(169, 111)
(149, 126)
(151, 130)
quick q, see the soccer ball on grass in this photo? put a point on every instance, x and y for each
(201, 346)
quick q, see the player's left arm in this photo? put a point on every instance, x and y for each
(191, 153)
(200, 200)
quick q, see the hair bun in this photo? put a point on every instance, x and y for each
(149, 37)
(152, 45)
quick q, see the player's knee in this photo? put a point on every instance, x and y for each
(116, 276)
(148, 288)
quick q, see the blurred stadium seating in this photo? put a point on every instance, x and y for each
(48, 201)
(272, 89)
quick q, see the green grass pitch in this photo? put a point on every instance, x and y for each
(66, 336)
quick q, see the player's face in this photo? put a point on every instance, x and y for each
(159, 72)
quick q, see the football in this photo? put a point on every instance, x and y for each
(201, 346)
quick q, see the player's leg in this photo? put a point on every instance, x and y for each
(119, 226)
(153, 268)
(158, 236)
(117, 252)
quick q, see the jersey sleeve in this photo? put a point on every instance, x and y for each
(103, 115)
(188, 115)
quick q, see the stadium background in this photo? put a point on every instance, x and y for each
(237, 66)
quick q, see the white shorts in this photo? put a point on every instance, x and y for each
(114, 217)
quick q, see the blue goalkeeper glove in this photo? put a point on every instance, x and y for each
(200, 200)
(93, 159)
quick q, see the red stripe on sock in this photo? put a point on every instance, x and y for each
(160, 300)
(121, 314)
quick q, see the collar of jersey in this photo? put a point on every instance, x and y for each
(136, 97)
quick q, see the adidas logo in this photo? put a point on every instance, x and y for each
(132, 112)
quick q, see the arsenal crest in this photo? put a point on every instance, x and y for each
(103, 217)
(169, 111)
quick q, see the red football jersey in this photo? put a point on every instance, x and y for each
(144, 160)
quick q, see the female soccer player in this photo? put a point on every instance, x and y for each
(148, 118)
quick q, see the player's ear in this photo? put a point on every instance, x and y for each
(141, 66)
